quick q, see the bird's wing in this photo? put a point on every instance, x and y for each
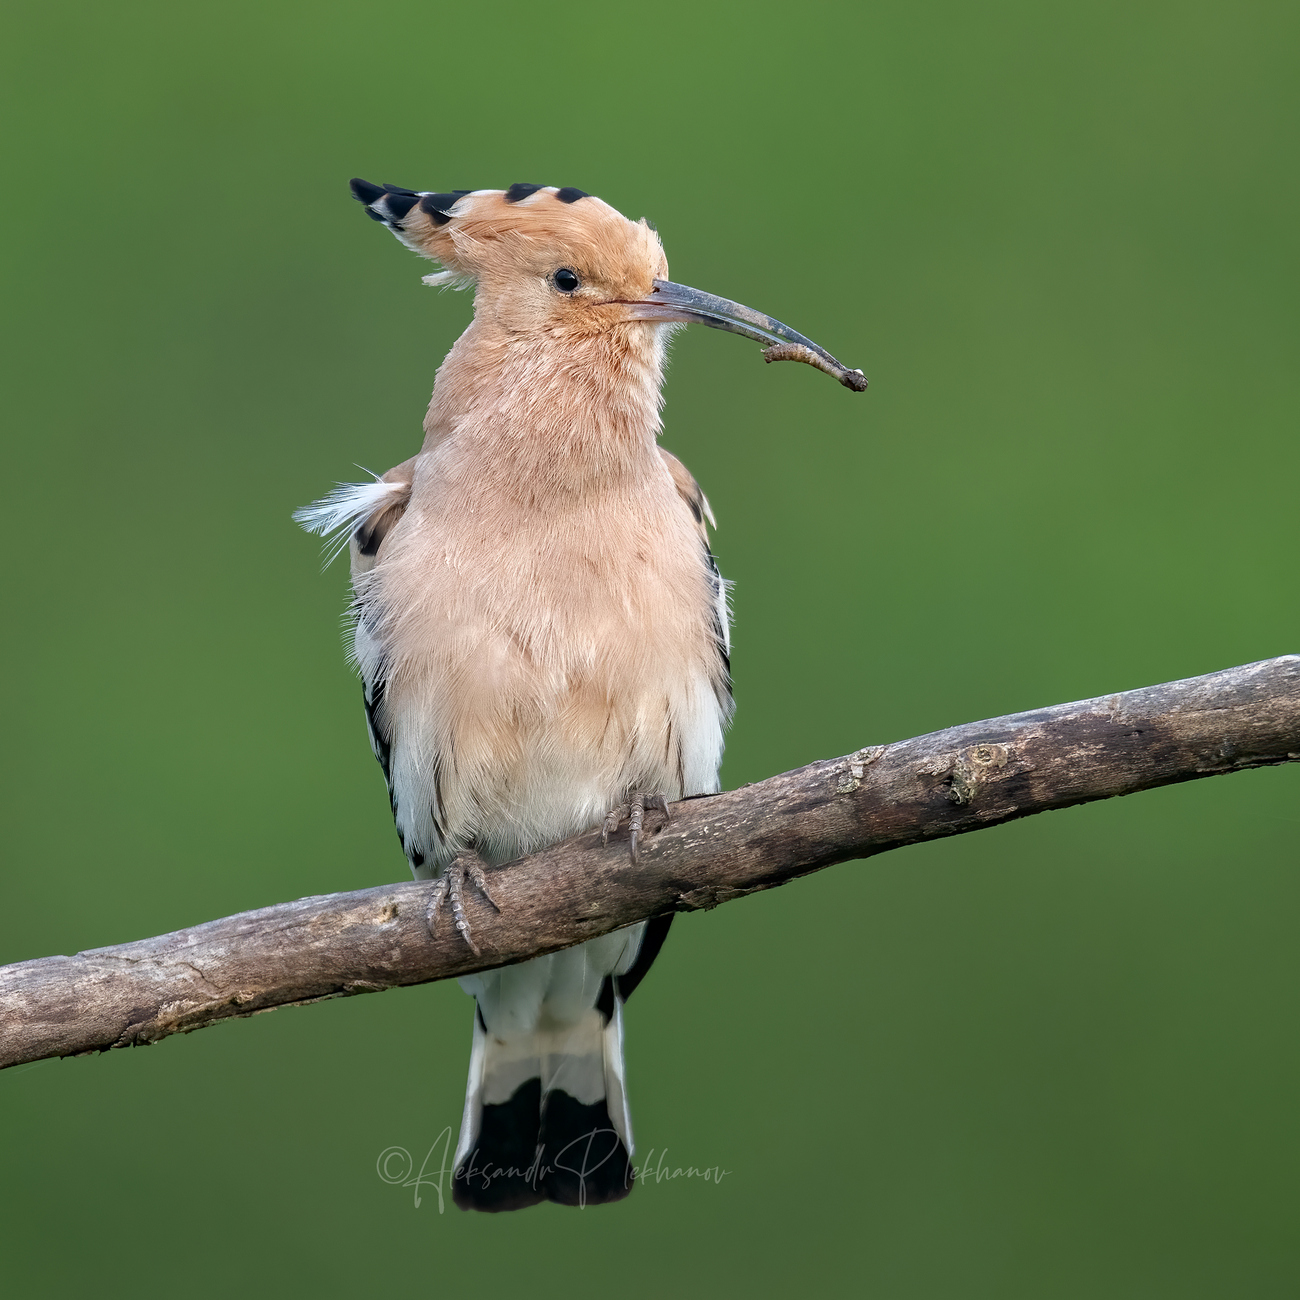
(689, 490)
(361, 516)
(364, 545)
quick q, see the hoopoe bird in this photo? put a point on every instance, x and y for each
(542, 635)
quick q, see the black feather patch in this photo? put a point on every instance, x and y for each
(570, 195)
(585, 1161)
(374, 698)
(605, 1002)
(399, 205)
(398, 189)
(367, 539)
(719, 632)
(501, 1171)
(656, 931)
(520, 190)
(365, 191)
(435, 206)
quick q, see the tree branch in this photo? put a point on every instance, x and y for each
(717, 848)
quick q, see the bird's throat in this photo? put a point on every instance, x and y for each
(550, 415)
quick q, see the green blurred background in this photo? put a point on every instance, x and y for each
(1057, 1059)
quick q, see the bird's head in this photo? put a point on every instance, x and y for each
(563, 264)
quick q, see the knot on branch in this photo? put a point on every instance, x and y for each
(966, 771)
(849, 772)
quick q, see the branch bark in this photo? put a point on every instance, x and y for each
(717, 848)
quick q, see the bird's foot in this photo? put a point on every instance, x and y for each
(449, 887)
(634, 813)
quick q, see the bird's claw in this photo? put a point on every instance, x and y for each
(634, 811)
(448, 888)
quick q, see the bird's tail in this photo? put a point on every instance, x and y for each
(546, 1115)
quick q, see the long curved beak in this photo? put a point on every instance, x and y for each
(678, 302)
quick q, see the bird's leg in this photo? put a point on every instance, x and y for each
(634, 811)
(466, 865)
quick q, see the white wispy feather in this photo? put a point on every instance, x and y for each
(448, 280)
(337, 516)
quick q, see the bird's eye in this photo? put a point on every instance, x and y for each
(565, 280)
